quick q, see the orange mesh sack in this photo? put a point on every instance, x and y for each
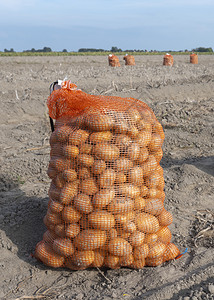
(106, 198)
(129, 60)
(113, 60)
(194, 58)
(168, 60)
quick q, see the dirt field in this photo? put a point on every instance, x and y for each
(182, 98)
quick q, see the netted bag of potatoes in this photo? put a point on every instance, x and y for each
(129, 60)
(106, 198)
(113, 60)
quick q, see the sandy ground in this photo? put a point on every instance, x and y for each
(182, 98)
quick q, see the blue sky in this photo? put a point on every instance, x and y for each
(134, 24)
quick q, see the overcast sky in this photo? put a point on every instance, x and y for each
(135, 24)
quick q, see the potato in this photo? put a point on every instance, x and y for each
(60, 230)
(126, 261)
(62, 133)
(138, 264)
(70, 214)
(84, 173)
(121, 204)
(98, 167)
(59, 181)
(120, 125)
(99, 257)
(112, 261)
(155, 142)
(68, 192)
(150, 238)
(133, 151)
(85, 160)
(154, 262)
(154, 206)
(90, 239)
(70, 151)
(158, 154)
(144, 125)
(83, 259)
(136, 176)
(143, 156)
(103, 197)
(155, 193)
(129, 190)
(120, 178)
(144, 138)
(129, 227)
(122, 234)
(161, 184)
(122, 141)
(152, 181)
(171, 252)
(53, 218)
(78, 137)
(85, 148)
(123, 218)
(141, 252)
(82, 203)
(148, 115)
(107, 178)
(136, 238)
(69, 175)
(44, 253)
(157, 250)
(133, 132)
(159, 170)
(98, 137)
(88, 186)
(50, 226)
(147, 223)
(139, 203)
(60, 164)
(106, 152)
(157, 128)
(52, 172)
(123, 164)
(119, 247)
(63, 246)
(164, 234)
(134, 115)
(149, 165)
(165, 218)
(71, 265)
(72, 230)
(55, 206)
(101, 219)
(95, 121)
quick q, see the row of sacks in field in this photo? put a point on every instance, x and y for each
(130, 60)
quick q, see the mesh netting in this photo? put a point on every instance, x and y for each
(113, 60)
(194, 58)
(129, 60)
(168, 60)
(106, 198)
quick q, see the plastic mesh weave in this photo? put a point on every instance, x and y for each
(106, 198)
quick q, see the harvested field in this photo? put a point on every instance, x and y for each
(182, 97)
